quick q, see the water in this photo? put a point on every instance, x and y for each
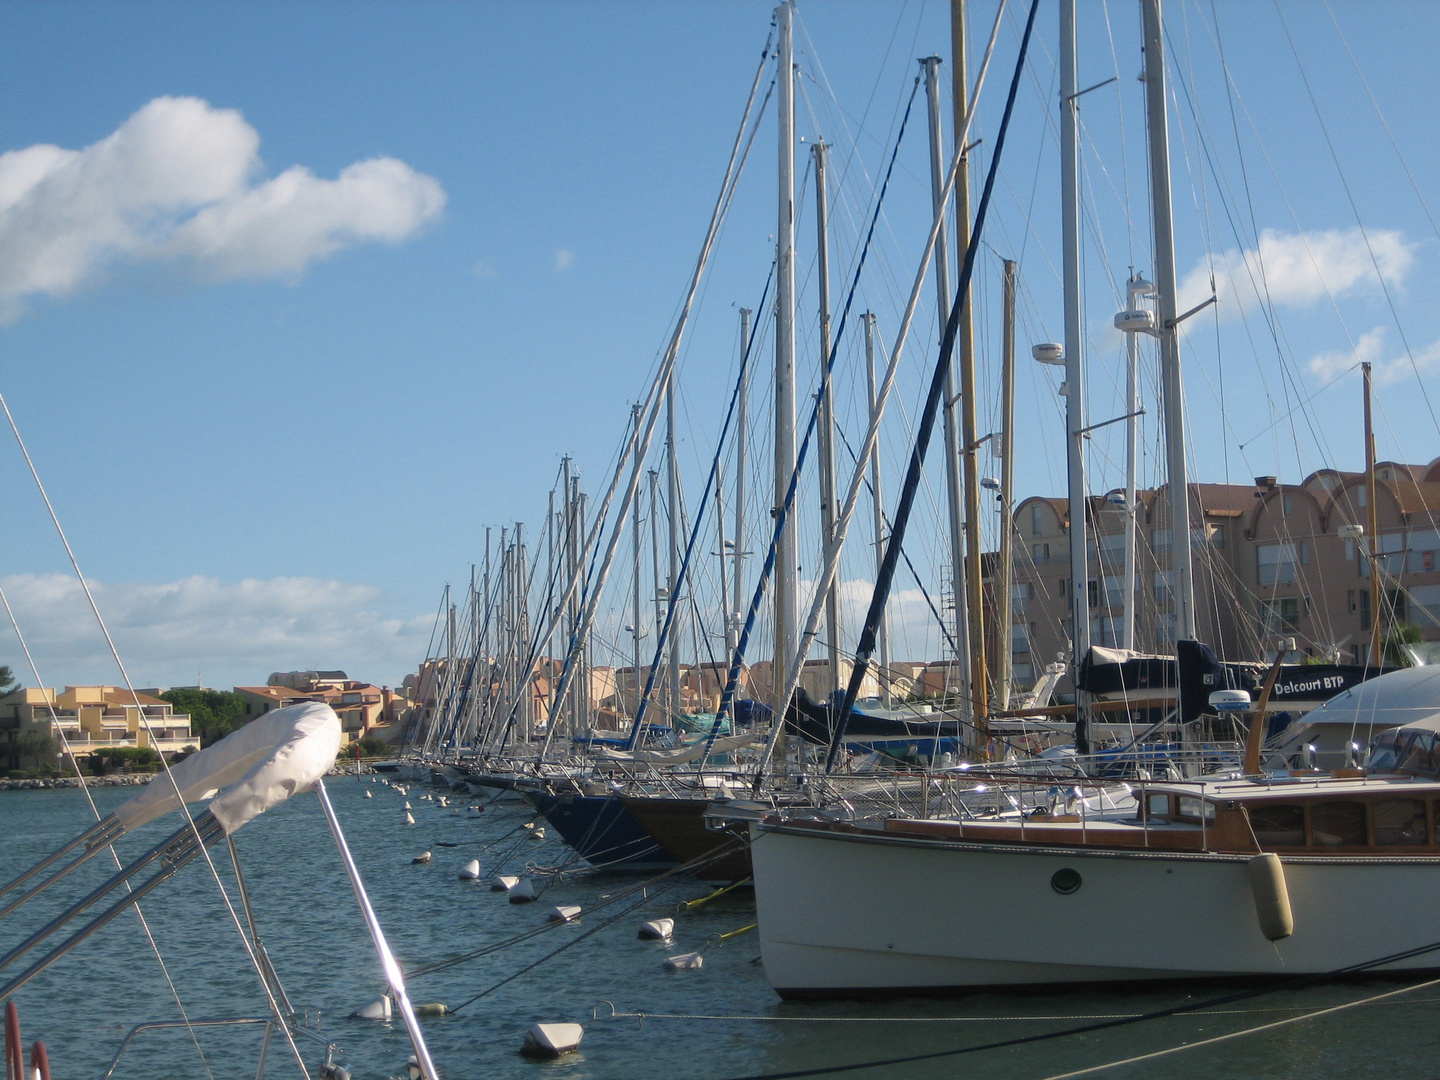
(720, 1022)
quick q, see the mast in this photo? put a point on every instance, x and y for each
(660, 591)
(827, 417)
(672, 501)
(742, 410)
(1074, 345)
(1137, 288)
(1004, 572)
(1372, 525)
(785, 606)
(953, 495)
(882, 638)
(635, 584)
(969, 422)
(1171, 385)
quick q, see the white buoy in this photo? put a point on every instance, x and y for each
(379, 1009)
(413, 1070)
(407, 806)
(552, 1040)
(537, 833)
(522, 892)
(443, 801)
(528, 825)
(690, 961)
(657, 930)
(504, 883)
(408, 819)
(368, 795)
(565, 913)
(471, 872)
(422, 859)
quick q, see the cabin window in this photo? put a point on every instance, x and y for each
(1157, 806)
(1420, 754)
(1338, 824)
(1278, 825)
(1399, 821)
(1189, 809)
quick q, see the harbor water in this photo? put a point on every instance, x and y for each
(640, 1021)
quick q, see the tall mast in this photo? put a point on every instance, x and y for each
(827, 416)
(1003, 574)
(1074, 356)
(955, 518)
(522, 634)
(672, 502)
(635, 584)
(1171, 386)
(659, 593)
(1372, 525)
(882, 638)
(785, 606)
(742, 413)
(969, 423)
(1137, 287)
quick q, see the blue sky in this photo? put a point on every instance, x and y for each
(275, 429)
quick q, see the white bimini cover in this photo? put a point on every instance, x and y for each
(260, 765)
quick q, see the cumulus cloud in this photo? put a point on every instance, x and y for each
(1298, 268)
(1371, 349)
(180, 183)
(229, 633)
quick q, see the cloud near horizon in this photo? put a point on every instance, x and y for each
(1298, 269)
(1370, 349)
(228, 633)
(181, 184)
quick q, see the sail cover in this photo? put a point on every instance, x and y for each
(281, 753)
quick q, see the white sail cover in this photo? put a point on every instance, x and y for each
(260, 765)
(1400, 697)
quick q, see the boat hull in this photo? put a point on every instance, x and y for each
(678, 826)
(601, 831)
(844, 913)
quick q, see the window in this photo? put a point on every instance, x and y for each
(1364, 599)
(1420, 551)
(1276, 563)
(1022, 674)
(1112, 548)
(1114, 590)
(1217, 536)
(1362, 496)
(1105, 630)
(1390, 554)
(1349, 550)
(1164, 586)
(1278, 826)
(1040, 553)
(1020, 594)
(1094, 591)
(1425, 604)
(1338, 824)
(1190, 808)
(1160, 539)
(1398, 821)
(1289, 502)
(1037, 520)
(1019, 639)
(1281, 615)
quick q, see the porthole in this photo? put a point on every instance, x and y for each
(1065, 881)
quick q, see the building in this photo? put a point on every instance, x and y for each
(87, 718)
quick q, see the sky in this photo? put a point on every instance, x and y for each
(297, 299)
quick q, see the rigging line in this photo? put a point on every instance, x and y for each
(95, 810)
(1383, 122)
(149, 732)
(1354, 209)
(927, 421)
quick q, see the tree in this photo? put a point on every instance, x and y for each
(8, 683)
(35, 744)
(213, 713)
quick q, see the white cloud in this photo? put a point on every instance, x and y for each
(564, 259)
(228, 633)
(484, 270)
(1370, 349)
(181, 183)
(1298, 268)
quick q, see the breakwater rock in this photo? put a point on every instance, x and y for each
(121, 780)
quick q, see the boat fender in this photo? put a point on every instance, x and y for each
(504, 883)
(423, 859)
(379, 1009)
(690, 961)
(334, 1072)
(1272, 898)
(522, 892)
(471, 872)
(564, 913)
(657, 930)
(537, 833)
(435, 1008)
(552, 1040)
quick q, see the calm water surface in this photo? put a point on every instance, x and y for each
(720, 1022)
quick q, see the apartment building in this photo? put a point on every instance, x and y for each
(87, 718)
